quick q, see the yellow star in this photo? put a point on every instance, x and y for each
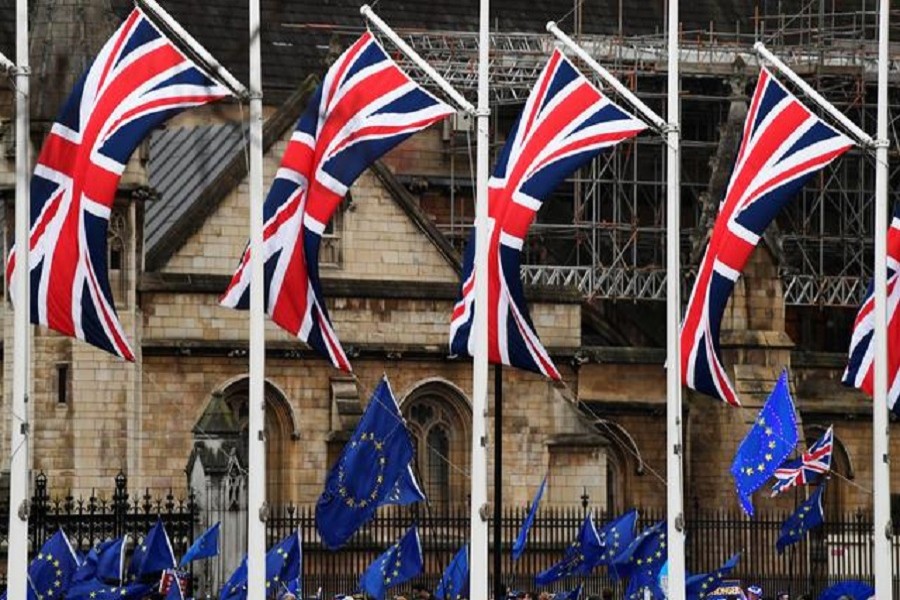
(768, 457)
(761, 467)
(768, 431)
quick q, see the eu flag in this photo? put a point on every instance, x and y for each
(97, 590)
(236, 586)
(400, 563)
(406, 491)
(641, 552)
(698, 586)
(854, 590)
(154, 553)
(283, 563)
(771, 440)
(454, 584)
(366, 472)
(580, 558)
(205, 546)
(808, 515)
(616, 536)
(642, 561)
(111, 560)
(51, 570)
(519, 545)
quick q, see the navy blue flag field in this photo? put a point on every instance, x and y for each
(137, 81)
(398, 564)
(849, 590)
(103, 562)
(454, 584)
(768, 443)
(616, 536)
(808, 515)
(376, 456)
(519, 545)
(153, 555)
(50, 572)
(236, 586)
(580, 557)
(97, 590)
(698, 586)
(205, 546)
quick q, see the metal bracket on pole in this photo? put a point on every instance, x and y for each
(220, 72)
(24, 510)
(658, 122)
(861, 136)
(420, 62)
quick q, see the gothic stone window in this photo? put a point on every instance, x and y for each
(438, 419)
(117, 243)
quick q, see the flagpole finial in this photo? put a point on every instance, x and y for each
(551, 25)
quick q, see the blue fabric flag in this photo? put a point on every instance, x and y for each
(52, 569)
(205, 546)
(95, 589)
(641, 553)
(370, 464)
(175, 592)
(282, 570)
(454, 584)
(771, 440)
(570, 595)
(580, 558)
(88, 568)
(519, 545)
(855, 590)
(111, 561)
(154, 553)
(616, 536)
(698, 586)
(808, 515)
(400, 563)
(407, 491)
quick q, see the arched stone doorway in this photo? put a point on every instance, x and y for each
(439, 418)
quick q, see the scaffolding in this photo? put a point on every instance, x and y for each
(613, 210)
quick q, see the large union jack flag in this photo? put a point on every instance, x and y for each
(805, 470)
(566, 122)
(364, 107)
(783, 145)
(138, 80)
(859, 372)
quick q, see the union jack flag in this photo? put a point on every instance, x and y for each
(784, 144)
(566, 122)
(805, 470)
(859, 372)
(364, 107)
(138, 80)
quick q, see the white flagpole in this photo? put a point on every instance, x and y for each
(674, 445)
(19, 463)
(881, 475)
(256, 487)
(478, 586)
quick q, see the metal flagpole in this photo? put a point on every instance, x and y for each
(478, 587)
(256, 488)
(19, 463)
(499, 590)
(881, 475)
(674, 445)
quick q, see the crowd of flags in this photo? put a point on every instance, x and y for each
(365, 106)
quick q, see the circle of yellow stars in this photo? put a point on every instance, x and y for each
(371, 497)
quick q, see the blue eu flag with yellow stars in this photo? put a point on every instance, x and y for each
(642, 561)
(771, 440)
(616, 536)
(97, 590)
(698, 586)
(519, 545)
(283, 563)
(406, 491)
(454, 584)
(580, 558)
(367, 471)
(570, 595)
(205, 546)
(153, 554)
(236, 586)
(808, 515)
(51, 570)
(400, 563)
